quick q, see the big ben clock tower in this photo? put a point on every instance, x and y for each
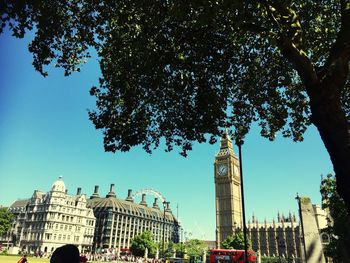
(227, 190)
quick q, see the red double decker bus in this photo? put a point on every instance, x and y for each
(230, 256)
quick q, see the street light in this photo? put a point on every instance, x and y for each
(165, 205)
(239, 144)
(182, 240)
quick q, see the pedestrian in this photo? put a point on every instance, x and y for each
(66, 254)
(23, 259)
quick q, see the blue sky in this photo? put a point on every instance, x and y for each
(45, 132)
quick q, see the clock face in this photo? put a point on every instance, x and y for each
(222, 169)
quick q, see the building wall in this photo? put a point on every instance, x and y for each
(279, 239)
(118, 221)
(227, 191)
(276, 239)
(50, 220)
(12, 237)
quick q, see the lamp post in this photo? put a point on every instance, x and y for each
(165, 204)
(239, 144)
(182, 240)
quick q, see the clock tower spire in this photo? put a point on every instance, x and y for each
(227, 190)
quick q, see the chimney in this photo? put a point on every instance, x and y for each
(129, 197)
(95, 194)
(79, 191)
(66, 191)
(111, 191)
(143, 201)
(167, 208)
(155, 203)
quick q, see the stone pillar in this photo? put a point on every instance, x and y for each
(138, 220)
(116, 232)
(312, 241)
(129, 230)
(111, 232)
(266, 239)
(258, 234)
(258, 256)
(120, 235)
(125, 232)
(294, 239)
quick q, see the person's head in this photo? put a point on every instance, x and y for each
(24, 255)
(66, 254)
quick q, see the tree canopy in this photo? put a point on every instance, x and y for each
(6, 218)
(184, 70)
(141, 242)
(235, 241)
(338, 228)
(194, 247)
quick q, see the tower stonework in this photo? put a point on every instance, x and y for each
(227, 190)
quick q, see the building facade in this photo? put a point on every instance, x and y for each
(281, 238)
(12, 237)
(49, 220)
(228, 201)
(118, 221)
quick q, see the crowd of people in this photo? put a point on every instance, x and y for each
(112, 257)
(64, 254)
(70, 254)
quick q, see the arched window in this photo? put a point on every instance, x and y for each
(325, 238)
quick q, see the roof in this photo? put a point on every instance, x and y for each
(38, 194)
(128, 207)
(59, 185)
(20, 203)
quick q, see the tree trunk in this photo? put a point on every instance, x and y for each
(333, 126)
(330, 120)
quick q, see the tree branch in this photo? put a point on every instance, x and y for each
(300, 61)
(339, 57)
(252, 27)
(289, 42)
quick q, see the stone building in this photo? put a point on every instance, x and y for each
(228, 200)
(49, 220)
(281, 238)
(12, 237)
(120, 220)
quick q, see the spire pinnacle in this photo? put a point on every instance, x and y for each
(226, 147)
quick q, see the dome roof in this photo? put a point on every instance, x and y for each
(59, 185)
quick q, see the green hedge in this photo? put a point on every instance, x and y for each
(273, 260)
